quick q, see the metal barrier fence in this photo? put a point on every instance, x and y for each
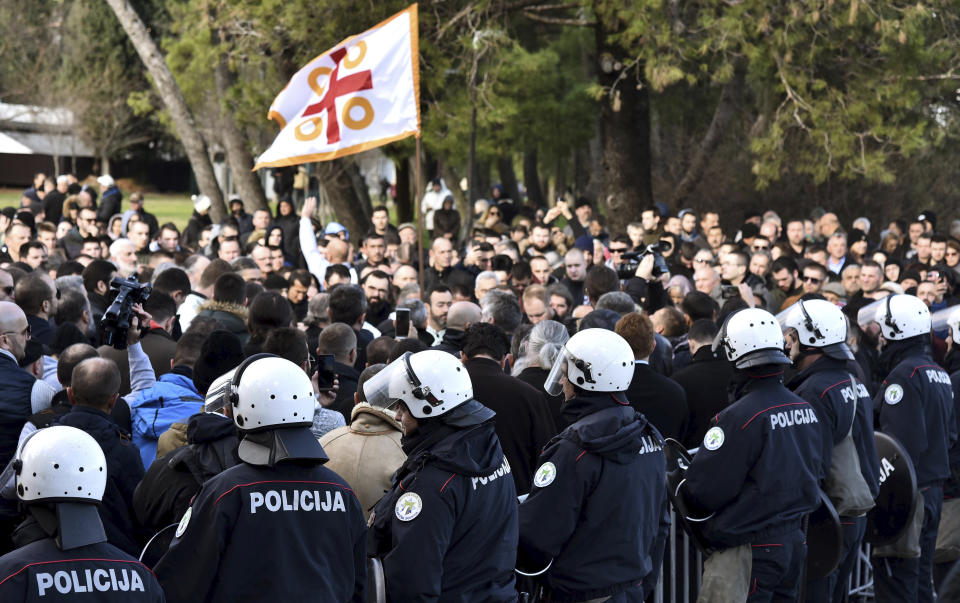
(683, 565)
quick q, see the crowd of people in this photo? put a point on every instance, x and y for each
(264, 427)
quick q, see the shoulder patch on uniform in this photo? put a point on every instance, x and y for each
(713, 439)
(545, 475)
(408, 506)
(893, 394)
(184, 522)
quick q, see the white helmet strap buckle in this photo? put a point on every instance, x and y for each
(809, 324)
(420, 391)
(889, 321)
(584, 368)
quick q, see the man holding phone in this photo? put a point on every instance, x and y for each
(339, 342)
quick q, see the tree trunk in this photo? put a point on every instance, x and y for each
(335, 176)
(508, 179)
(404, 202)
(625, 126)
(531, 178)
(722, 116)
(172, 96)
(238, 155)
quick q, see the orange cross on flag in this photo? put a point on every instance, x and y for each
(361, 94)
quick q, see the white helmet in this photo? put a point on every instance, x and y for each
(60, 464)
(430, 383)
(819, 324)
(751, 337)
(902, 317)
(595, 360)
(266, 392)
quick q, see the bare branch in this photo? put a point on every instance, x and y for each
(559, 20)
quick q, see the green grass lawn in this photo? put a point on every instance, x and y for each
(167, 207)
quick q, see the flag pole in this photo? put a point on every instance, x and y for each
(422, 258)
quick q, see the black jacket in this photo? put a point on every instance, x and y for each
(452, 341)
(915, 405)
(293, 532)
(524, 423)
(348, 377)
(598, 507)
(41, 330)
(825, 384)
(661, 400)
(124, 472)
(447, 531)
(110, 203)
(172, 481)
(760, 466)
(705, 383)
(536, 377)
(35, 573)
(17, 385)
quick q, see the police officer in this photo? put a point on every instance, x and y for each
(595, 523)
(279, 526)
(759, 467)
(915, 406)
(816, 334)
(60, 475)
(447, 530)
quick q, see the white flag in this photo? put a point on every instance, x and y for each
(361, 94)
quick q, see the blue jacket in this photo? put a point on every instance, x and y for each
(173, 399)
(915, 405)
(598, 507)
(447, 531)
(760, 464)
(825, 384)
(40, 571)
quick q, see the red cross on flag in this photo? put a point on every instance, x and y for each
(361, 94)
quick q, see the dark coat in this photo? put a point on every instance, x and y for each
(536, 377)
(524, 423)
(348, 377)
(292, 532)
(172, 481)
(26, 572)
(662, 401)
(452, 342)
(231, 316)
(460, 546)
(598, 508)
(705, 383)
(110, 204)
(124, 472)
(41, 330)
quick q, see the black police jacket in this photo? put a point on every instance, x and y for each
(40, 571)
(447, 531)
(171, 482)
(825, 384)
(915, 406)
(292, 532)
(598, 507)
(951, 488)
(760, 463)
(124, 472)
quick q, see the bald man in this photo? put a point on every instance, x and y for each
(93, 391)
(21, 395)
(461, 315)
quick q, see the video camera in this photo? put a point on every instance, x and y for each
(628, 269)
(117, 318)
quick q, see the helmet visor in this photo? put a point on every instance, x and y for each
(554, 383)
(871, 313)
(218, 394)
(941, 318)
(390, 385)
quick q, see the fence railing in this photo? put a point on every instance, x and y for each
(683, 565)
